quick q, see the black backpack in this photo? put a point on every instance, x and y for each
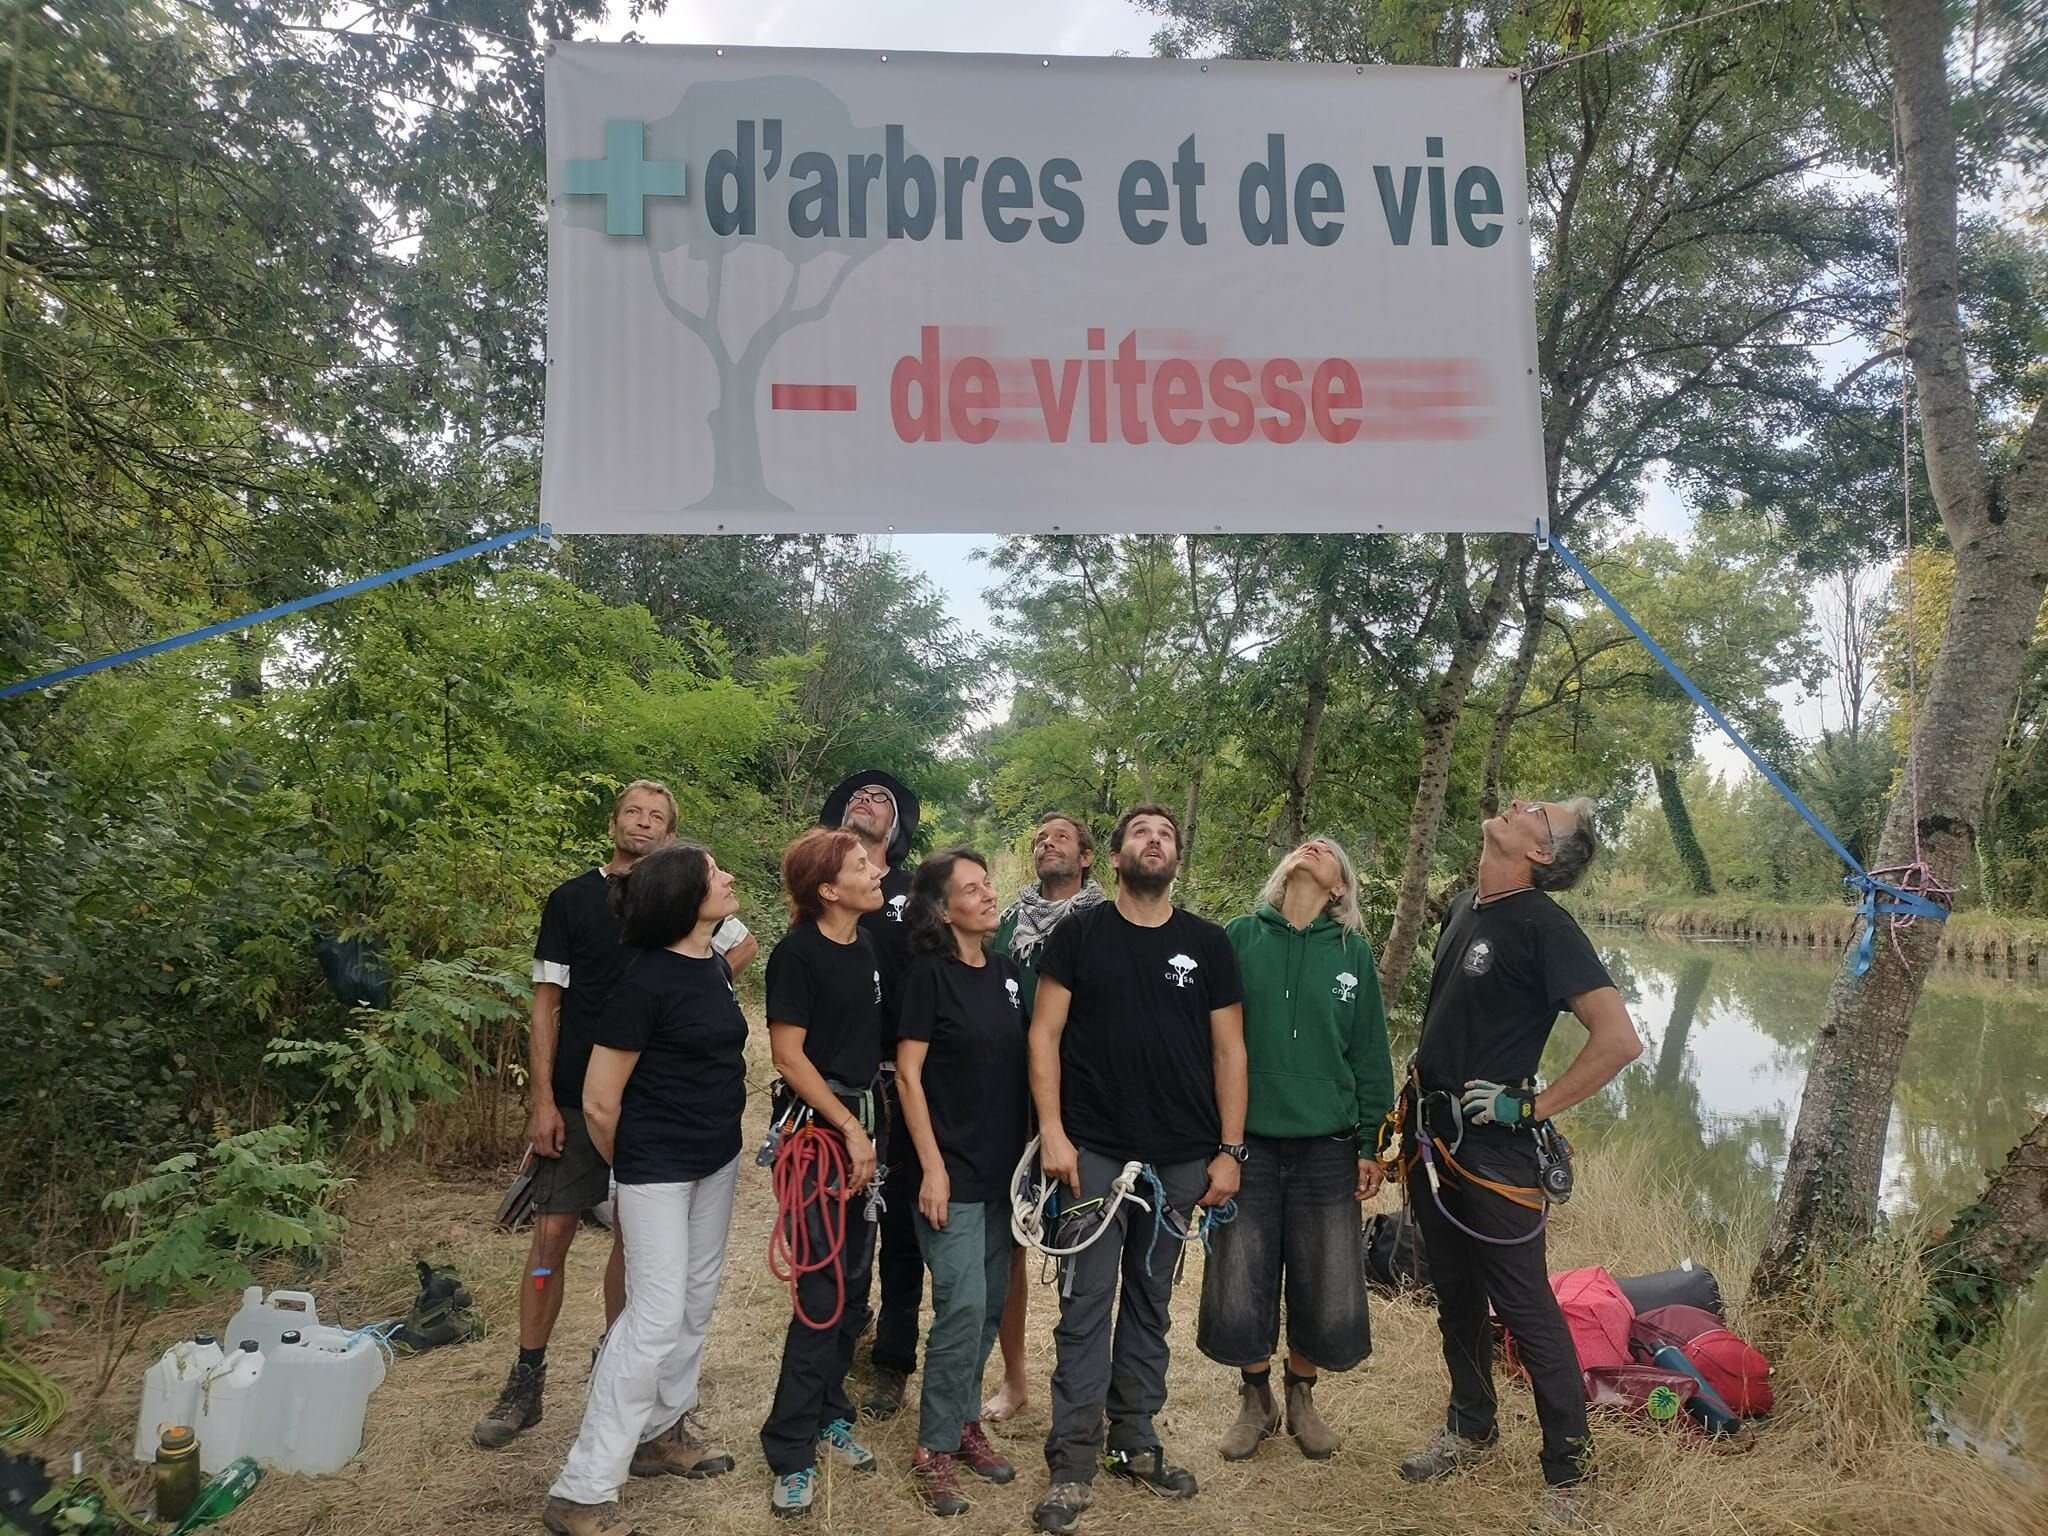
(1390, 1248)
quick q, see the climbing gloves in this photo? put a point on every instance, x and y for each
(1486, 1103)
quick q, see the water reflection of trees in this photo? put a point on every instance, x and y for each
(1975, 1073)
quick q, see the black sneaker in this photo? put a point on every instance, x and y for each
(885, 1393)
(516, 1410)
(1150, 1469)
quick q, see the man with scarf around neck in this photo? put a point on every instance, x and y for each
(879, 810)
(1062, 854)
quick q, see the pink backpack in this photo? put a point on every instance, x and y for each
(1733, 1366)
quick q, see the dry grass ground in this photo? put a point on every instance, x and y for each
(1843, 1454)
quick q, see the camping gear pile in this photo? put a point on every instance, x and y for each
(1664, 1359)
(1657, 1345)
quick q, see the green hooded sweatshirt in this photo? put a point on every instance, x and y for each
(1315, 1033)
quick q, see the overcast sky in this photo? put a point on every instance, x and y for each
(981, 26)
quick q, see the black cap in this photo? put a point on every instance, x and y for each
(251, 1346)
(289, 1336)
(202, 1338)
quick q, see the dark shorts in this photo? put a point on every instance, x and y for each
(1296, 1229)
(571, 1184)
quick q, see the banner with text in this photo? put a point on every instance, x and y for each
(795, 290)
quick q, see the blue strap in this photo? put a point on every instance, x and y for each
(1880, 898)
(1219, 1215)
(277, 611)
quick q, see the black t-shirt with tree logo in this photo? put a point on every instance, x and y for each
(833, 992)
(1137, 1069)
(679, 1120)
(976, 1075)
(1502, 973)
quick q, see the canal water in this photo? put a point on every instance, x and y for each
(1727, 1029)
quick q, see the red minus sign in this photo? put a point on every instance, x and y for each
(812, 397)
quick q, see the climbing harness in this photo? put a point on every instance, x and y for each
(1040, 1222)
(1034, 1198)
(1430, 1149)
(811, 1172)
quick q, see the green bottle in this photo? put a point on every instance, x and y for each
(230, 1486)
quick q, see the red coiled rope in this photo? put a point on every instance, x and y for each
(810, 1172)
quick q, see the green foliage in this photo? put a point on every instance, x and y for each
(423, 1048)
(200, 1217)
(21, 1311)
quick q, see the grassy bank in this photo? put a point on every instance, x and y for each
(1846, 1452)
(2001, 943)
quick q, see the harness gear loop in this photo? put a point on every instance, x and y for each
(1429, 1147)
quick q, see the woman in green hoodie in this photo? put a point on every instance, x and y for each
(1315, 1036)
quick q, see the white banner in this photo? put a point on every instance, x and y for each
(795, 290)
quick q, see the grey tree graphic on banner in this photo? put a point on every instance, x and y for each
(740, 137)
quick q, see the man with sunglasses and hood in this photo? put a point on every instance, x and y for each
(1508, 961)
(878, 809)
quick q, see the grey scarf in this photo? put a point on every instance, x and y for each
(1037, 917)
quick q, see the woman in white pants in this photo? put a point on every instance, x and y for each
(663, 1097)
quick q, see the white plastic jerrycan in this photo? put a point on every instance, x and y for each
(170, 1390)
(231, 1408)
(265, 1318)
(316, 1392)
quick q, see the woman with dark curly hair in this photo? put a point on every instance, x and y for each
(962, 1081)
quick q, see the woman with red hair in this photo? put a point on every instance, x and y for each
(825, 1033)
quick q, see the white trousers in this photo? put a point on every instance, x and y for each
(646, 1375)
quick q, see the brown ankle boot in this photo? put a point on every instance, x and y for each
(564, 1517)
(1305, 1423)
(1257, 1417)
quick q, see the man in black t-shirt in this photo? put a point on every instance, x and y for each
(577, 960)
(882, 813)
(1137, 1056)
(1508, 959)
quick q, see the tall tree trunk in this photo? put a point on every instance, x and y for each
(1476, 628)
(1979, 1266)
(1316, 697)
(1535, 600)
(1671, 795)
(1191, 815)
(1999, 532)
(1685, 1003)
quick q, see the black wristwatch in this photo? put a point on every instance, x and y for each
(1236, 1151)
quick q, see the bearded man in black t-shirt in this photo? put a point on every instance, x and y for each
(1508, 959)
(1137, 1055)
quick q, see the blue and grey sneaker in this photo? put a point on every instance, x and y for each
(790, 1498)
(852, 1455)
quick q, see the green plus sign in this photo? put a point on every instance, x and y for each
(622, 178)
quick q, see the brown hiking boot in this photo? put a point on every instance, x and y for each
(938, 1484)
(566, 1518)
(517, 1407)
(686, 1450)
(982, 1458)
(1310, 1432)
(1257, 1417)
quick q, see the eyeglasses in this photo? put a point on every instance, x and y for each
(874, 793)
(1549, 832)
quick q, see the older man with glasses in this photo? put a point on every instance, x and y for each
(1507, 961)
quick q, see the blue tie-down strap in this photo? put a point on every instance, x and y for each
(1883, 899)
(275, 611)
